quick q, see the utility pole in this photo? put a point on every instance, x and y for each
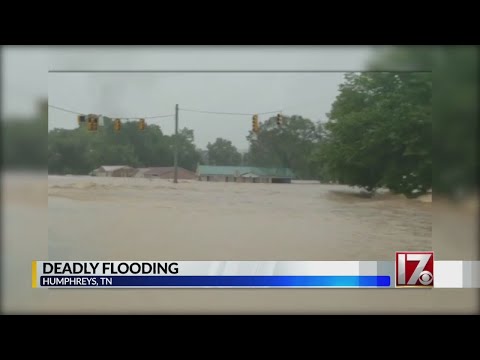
(175, 151)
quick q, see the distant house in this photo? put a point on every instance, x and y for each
(141, 172)
(166, 172)
(244, 174)
(114, 171)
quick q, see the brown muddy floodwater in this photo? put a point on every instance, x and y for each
(80, 218)
(129, 218)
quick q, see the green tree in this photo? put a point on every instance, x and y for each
(188, 156)
(379, 132)
(68, 151)
(455, 101)
(222, 152)
(288, 145)
(79, 151)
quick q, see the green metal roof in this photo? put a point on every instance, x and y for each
(239, 170)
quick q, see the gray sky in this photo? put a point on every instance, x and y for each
(26, 76)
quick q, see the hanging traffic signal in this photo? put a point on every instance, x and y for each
(279, 119)
(141, 124)
(95, 123)
(255, 126)
(117, 125)
(92, 122)
(81, 119)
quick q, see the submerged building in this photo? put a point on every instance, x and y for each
(114, 171)
(244, 174)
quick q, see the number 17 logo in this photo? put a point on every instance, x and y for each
(414, 268)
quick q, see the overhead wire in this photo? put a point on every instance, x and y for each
(171, 115)
(113, 117)
(229, 113)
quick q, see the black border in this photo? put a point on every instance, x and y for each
(247, 26)
(316, 334)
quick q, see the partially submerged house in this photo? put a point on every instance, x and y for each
(114, 171)
(166, 172)
(242, 174)
(141, 172)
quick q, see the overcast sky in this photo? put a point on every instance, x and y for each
(26, 76)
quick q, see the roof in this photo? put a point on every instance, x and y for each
(159, 170)
(141, 171)
(113, 167)
(241, 170)
(249, 175)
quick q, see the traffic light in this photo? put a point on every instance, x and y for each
(255, 126)
(92, 122)
(141, 124)
(117, 125)
(95, 123)
(279, 119)
(81, 120)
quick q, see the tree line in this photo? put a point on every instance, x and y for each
(378, 133)
(79, 151)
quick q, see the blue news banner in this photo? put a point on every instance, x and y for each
(216, 281)
(201, 274)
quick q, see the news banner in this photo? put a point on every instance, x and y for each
(408, 270)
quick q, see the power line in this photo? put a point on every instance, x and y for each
(269, 112)
(228, 113)
(171, 115)
(113, 117)
(151, 117)
(66, 110)
(213, 112)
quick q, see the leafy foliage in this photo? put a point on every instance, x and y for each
(222, 152)
(287, 146)
(79, 151)
(379, 132)
(455, 101)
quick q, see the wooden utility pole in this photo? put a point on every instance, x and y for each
(175, 151)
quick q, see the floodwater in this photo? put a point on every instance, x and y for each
(122, 218)
(81, 217)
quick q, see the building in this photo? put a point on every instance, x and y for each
(244, 174)
(141, 172)
(114, 171)
(166, 172)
